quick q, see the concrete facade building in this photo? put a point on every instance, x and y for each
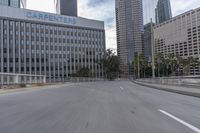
(66, 7)
(163, 11)
(57, 46)
(179, 35)
(129, 20)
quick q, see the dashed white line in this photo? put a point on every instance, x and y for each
(121, 88)
(180, 121)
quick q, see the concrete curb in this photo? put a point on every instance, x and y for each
(169, 90)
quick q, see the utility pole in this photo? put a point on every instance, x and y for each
(152, 51)
(138, 62)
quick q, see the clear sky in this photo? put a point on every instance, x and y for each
(105, 10)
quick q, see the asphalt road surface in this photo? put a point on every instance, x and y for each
(99, 107)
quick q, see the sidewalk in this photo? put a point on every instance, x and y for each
(191, 91)
(5, 91)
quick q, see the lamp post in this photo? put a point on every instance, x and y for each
(152, 51)
(138, 64)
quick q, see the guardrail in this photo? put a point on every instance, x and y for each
(8, 79)
(176, 80)
(85, 79)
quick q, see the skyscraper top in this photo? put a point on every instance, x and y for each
(163, 11)
(66, 7)
(149, 10)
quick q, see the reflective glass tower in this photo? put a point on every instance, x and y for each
(149, 7)
(163, 11)
(13, 3)
(66, 7)
(129, 20)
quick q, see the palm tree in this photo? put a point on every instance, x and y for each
(173, 63)
(190, 61)
(194, 63)
(161, 64)
(179, 64)
(136, 65)
(167, 65)
(143, 65)
(140, 65)
(186, 66)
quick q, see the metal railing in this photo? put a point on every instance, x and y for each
(176, 80)
(16, 79)
(85, 79)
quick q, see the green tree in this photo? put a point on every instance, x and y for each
(173, 63)
(83, 72)
(167, 65)
(190, 61)
(110, 64)
(136, 65)
(195, 63)
(159, 63)
(141, 65)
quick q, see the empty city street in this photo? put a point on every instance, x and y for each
(99, 107)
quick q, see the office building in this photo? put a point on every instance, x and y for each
(129, 20)
(57, 46)
(179, 36)
(163, 11)
(149, 7)
(14, 3)
(66, 7)
(148, 41)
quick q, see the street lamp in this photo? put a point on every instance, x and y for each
(152, 51)
(138, 64)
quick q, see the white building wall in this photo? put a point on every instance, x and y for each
(42, 47)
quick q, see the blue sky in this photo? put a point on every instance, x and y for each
(105, 10)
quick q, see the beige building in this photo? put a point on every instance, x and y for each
(179, 35)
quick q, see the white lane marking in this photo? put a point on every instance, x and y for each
(181, 121)
(121, 88)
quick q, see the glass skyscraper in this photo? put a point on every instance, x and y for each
(159, 11)
(149, 7)
(14, 3)
(66, 7)
(163, 11)
(129, 20)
